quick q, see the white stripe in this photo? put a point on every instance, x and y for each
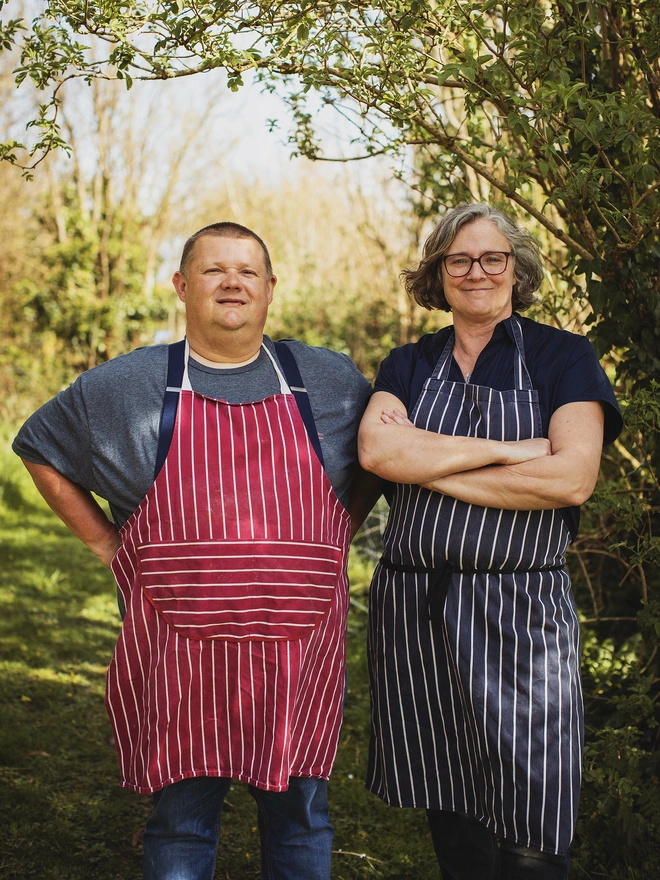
(241, 736)
(285, 475)
(189, 698)
(153, 587)
(166, 720)
(236, 512)
(149, 696)
(193, 467)
(411, 685)
(331, 563)
(214, 669)
(334, 547)
(254, 722)
(248, 453)
(206, 472)
(177, 655)
(180, 475)
(221, 484)
(237, 623)
(262, 495)
(228, 703)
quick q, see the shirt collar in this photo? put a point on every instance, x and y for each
(504, 328)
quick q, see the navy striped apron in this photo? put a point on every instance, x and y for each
(474, 641)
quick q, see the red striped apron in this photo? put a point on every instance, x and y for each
(231, 657)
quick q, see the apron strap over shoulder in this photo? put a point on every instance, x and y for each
(295, 382)
(175, 370)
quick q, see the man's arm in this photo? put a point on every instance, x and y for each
(391, 447)
(77, 509)
(563, 479)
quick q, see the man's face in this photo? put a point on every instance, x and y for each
(226, 287)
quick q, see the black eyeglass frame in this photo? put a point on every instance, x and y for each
(474, 260)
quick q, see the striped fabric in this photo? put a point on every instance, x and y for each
(206, 590)
(233, 570)
(481, 713)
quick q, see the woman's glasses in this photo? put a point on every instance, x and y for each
(492, 262)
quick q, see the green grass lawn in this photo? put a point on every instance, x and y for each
(64, 816)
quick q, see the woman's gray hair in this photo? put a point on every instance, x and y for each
(424, 284)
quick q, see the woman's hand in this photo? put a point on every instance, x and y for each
(517, 451)
(395, 417)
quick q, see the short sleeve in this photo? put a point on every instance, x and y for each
(405, 370)
(58, 434)
(583, 378)
(396, 372)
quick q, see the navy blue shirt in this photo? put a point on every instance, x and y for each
(563, 368)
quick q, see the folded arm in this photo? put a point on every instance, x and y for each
(563, 479)
(391, 447)
(78, 509)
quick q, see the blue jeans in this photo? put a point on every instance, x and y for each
(467, 850)
(181, 836)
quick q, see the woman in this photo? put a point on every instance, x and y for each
(474, 643)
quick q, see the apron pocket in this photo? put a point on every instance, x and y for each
(240, 590)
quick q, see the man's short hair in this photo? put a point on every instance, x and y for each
(222, 230)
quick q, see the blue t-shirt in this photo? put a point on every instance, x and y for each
(102, 431)
(563, 368)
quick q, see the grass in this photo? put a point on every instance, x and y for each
(64, 817)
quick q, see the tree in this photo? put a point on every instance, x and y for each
(555, 104)
(84, 238)
(549, 108)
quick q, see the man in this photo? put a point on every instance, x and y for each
(229, 547)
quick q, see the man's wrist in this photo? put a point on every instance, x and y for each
(106, 547)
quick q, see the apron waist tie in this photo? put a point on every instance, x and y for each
(440, 578)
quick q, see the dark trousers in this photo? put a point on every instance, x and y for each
(467, 850)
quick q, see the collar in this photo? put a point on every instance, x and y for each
(504, 328)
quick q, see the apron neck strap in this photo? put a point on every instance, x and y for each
(285, 387)
(441, 371)
(185, 378)
(176, 367)
(300, 395)
(178, 380)
(522, 378)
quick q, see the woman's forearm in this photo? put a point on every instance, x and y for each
(541, 484)
(564, 479)
(412, 455)
(392, 447)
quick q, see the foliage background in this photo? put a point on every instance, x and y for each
(549, 109)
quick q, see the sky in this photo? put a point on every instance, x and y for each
(241, 124)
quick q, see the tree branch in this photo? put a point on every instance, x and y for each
(451, 145)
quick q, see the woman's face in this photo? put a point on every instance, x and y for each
(478, 296)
